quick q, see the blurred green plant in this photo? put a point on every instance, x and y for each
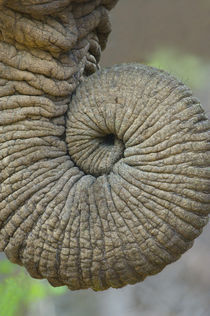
(189, 68)
(18, 290)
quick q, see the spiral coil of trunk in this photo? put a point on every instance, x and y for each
(105, 186)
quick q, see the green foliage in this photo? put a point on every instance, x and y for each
(190, 69)
(18, 290)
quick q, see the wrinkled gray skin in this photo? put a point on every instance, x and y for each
(105, 188)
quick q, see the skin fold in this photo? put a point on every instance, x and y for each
(104, 174)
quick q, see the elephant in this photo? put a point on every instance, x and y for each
(104, 172)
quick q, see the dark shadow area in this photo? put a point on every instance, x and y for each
(108, 140)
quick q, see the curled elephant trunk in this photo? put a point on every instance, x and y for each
(105, 186)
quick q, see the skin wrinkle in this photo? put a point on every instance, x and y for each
(112, 240)
(155, 112)
(47, 109)
(129, 126)
(15, 176)
(76, 236)
(202, 158)
(173, 228)
(104, 128)
(18, 192)
(77, 120)
(17, 230)
(142, 254)
(147, 231)
(165, 91)
(170, 202)
(120, 276)
(23, 135)
(164, 144)
(175, 150)
(177, 171)
(35, 35)
(134, 122)
(63, 271)
(46, 218)
(101, 187)
(79, 244)
(99, 236)
(167, 181)
(33, 63)
(37, 166)
(175, 197)
(89, 244)
(67, 223)
(33, 216)
(50, 201)
(29, 150)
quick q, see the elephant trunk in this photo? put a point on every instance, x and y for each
(101, 188)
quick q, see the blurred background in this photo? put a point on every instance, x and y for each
(175, 36)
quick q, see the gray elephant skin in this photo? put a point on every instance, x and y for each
(104, 177)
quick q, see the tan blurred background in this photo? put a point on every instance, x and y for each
(140, 27)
